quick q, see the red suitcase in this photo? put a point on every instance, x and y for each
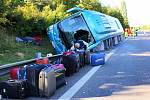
(14, 73)
(42, 61)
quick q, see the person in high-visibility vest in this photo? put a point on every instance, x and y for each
(129, 32)
(133, 32)
(126, 32)
(136, 32)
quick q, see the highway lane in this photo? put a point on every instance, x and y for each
(124, 76)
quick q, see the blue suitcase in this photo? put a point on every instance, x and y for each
(97, 59)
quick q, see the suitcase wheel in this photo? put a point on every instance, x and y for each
(66, 83)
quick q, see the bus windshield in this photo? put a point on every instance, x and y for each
(69, 27)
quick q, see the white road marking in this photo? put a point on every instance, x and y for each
(77, 86)
(109, 55)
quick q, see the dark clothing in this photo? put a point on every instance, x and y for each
(82, 44)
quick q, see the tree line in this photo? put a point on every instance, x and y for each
(30, 17)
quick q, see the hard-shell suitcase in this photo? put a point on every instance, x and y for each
(71, 63)
(33, 78)
(87, 57)
(60, 75)
(14, 89)
(97, 59)
(14, 73)
(47, 82)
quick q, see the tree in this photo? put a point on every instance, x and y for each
(27, 17)
(115, 13)
(123, 10)
(90, 5)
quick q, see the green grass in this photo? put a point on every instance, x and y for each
(10, 51)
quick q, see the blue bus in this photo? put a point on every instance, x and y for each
(99, 30)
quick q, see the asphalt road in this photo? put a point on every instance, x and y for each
(125, 76)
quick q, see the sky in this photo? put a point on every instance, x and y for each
(137, 10)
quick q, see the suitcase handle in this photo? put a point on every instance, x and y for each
(11, 80)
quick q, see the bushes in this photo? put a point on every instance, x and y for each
(117, 14)
(29, 20)
(30, 17)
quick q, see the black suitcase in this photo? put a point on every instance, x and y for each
(14, 89)
(81, 58)
(33, 78)
(87, 57)
(71, 63)
(60, 78)
(60, 74)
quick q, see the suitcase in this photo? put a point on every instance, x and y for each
(47, 82)
(81, 58)
(14, 73)
(42, 61)
(32, 72)
(97, 59)
(14, 89)
(71, 63)
(60, 75)
(87, 57)
(22, 72)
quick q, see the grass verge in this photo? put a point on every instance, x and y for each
(11, 52)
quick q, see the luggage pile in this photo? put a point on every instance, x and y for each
(43, 78)
(39, 80)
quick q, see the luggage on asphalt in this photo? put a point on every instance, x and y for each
(97, 59)
(22, 72)
(14, 89)
(87, 57)
(60, 75)
(32, 72)
(71, 62)
(42, 61)
(47, 82)
(81, 58)
(18, 73)
(84, 57)
(14, 73)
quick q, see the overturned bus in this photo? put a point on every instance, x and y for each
(100, 31)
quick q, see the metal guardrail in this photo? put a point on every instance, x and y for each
(4, 69)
